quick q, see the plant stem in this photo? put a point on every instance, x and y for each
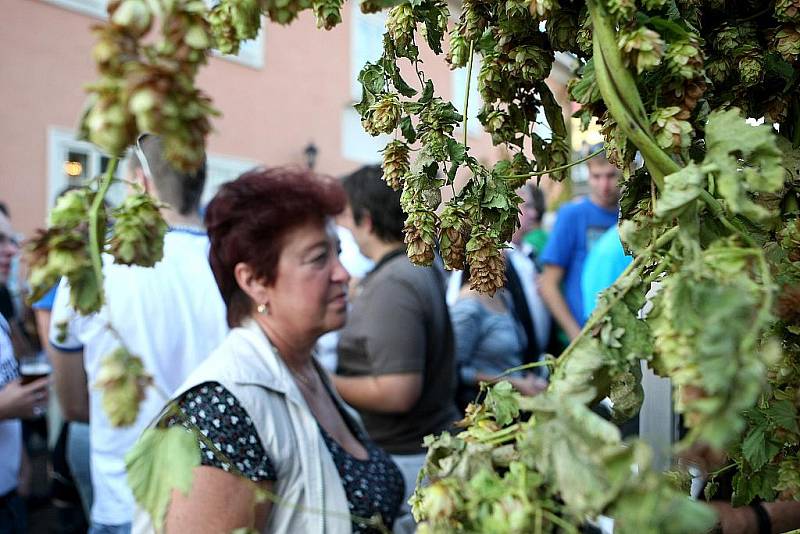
(531, 365)
(95, 244)
(466, 90)
(554, 169)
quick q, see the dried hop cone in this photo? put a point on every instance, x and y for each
(284, 11)
(787, 10)
(787, 42)
(328, 13)
(420, 233)
(400, 24)
(139, 228)
(383, 116)
(122, 379)
(233, 22)
(486, 262)
(395, 164)
(671, 129)
(453, 238)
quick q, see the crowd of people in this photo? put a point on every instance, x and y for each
(316, 382)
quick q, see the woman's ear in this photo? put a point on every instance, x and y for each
(251, 284)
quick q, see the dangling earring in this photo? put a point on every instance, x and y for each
(263, 309)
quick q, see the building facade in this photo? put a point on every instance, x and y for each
(290, 89)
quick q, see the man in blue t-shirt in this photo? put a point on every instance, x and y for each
(578, 225)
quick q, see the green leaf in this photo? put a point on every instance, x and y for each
(372, 77)
(680, 189)
(783, 414)
(757, 449)
(456, 151)
(160, 461)
(427, 93)
(402, 87)
(407, 129)
(501, 399)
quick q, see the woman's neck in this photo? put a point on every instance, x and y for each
(295, 354)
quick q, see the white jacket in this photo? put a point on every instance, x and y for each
(313, 500)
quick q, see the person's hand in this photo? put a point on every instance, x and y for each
(529, 385)
(24, 401)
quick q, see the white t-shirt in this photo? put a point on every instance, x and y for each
(10, 429)
(171, 316)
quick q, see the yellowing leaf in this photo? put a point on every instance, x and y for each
(162, 460)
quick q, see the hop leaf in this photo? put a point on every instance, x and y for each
(162, 460)
(138, 235)
(122, 380)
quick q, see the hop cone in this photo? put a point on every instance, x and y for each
(134, 16)
(122, 379)
(787, 42)
(328, 13)
(234, 21)
(420, 234)
(457, 55)
(532, 63)
(562, 30)
(685, 59)
(383, 116)
(671, 129)
(541, 9)
(787, 10)
(486, 262)
(395, 164)
(284, 11)
(751, 68)
(718, 69)
(643, 48)
(401, 25)
(622, 9)
(138, 232)
(452, 238)
(474, 19)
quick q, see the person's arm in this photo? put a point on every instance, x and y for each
(390, 393)
(395, 347)
(784, 516)
(71, 385)
(218, 502)
(550, 290)
(65, 351)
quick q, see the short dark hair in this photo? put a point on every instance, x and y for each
(600, 158)
(182, 190)
(538, 201)
(368, 193)
(249, 218)
(4, 209)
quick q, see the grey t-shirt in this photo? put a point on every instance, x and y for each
(399, 323)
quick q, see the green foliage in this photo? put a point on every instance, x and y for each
(122, 379)
(161, 461)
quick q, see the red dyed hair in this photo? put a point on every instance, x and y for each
(249, 217)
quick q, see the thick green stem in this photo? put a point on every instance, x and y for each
(466, 90)
(95, 239)
(621, 96)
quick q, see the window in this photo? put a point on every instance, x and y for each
(366, 45)
(251, 53)
(72, 162)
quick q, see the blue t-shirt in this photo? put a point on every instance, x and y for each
(46, 302)
(603, 266)
(579, 225)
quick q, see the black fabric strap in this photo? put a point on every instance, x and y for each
(762, 517)
(521, 312)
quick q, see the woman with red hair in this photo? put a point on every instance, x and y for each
(261, 398)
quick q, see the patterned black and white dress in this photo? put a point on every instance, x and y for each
(372, 486)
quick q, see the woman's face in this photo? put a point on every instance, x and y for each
(309, 295)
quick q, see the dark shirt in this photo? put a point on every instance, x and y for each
(399, 323)
(372, 486)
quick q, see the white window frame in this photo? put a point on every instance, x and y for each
(219, 168)
(251, 52)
